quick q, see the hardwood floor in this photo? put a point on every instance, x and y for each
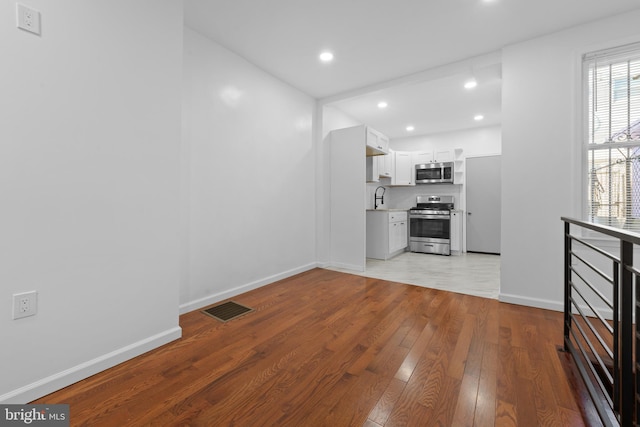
(325, 348)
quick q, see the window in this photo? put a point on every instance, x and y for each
(612, 84)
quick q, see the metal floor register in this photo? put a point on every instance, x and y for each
(227, 311)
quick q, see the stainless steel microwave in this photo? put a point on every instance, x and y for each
(434, 173)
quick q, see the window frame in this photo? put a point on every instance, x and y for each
(585, 60)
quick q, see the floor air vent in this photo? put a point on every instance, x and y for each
(227, 311)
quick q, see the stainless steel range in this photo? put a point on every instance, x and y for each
(430, 225)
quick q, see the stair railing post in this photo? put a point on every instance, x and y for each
(616, 334)
(625, 351)
(567, 285)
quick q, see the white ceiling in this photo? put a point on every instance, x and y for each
(432, 104)
(377, 41)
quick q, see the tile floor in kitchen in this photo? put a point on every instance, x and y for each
(467, 273)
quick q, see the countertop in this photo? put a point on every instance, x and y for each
(387, 210)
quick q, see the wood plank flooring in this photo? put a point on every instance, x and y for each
(325, 348)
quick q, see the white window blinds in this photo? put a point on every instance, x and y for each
(612, 84)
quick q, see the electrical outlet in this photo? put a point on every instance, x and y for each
(25, 304)
(28, 18)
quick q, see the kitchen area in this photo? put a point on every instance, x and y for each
(412, 179)
(414, 222)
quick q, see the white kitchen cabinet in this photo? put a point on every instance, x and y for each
(456, 231)
(398, 232)
(383, 140)
(442, 155)
(433, 156)
(422, 157)
(385, 165)
(402, 173)
(377, 144)
(386, 233)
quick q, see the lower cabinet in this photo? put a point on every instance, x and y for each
(397, 235)
(387, 233)
(456, 231)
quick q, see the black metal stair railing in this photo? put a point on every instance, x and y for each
(599, 331)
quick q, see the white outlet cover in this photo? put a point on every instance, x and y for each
(28, 19)
(22, 300)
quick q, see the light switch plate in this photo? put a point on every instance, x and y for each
(28, 19)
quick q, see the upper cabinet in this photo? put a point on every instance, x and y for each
(385, 165)
(396, 165)
(433, 156)
(377, 143)
(440, 156)
(402, 173)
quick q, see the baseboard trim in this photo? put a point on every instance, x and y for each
(532, 302)
(607, 313)
(84, 370)
(214, 298)
(345, 266)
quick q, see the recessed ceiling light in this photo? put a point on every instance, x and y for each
(410, 128)
(326, 56)
(470, 84)
(382, 104)
(478, 117)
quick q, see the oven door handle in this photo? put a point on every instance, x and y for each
(430, 216)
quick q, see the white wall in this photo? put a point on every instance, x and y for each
(89, 173)
(347, 191)
(541, 172)
(482, 141)
(251, 176)
(331, 119)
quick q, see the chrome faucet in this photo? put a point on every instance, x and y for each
(376, 198)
